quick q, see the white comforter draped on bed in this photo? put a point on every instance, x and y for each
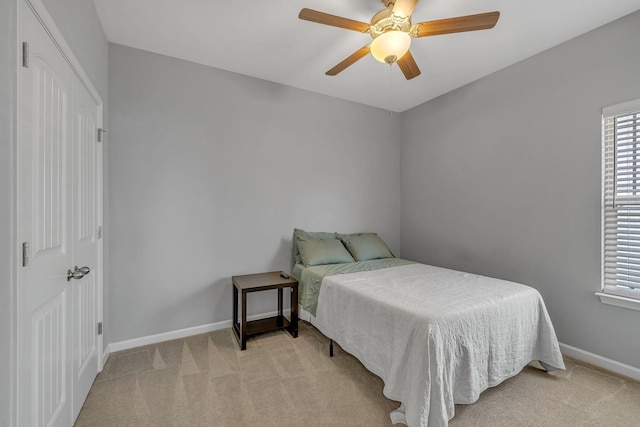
(436, 336)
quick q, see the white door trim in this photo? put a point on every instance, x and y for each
(41, 13)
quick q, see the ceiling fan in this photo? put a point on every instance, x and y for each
(391, 30)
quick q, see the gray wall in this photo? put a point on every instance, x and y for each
(7, 226)
(79, 24)
(502, 178)
(210, 172)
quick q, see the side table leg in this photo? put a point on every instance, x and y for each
(235, 326)
(279, 321)
(235, 306)
(243, 345)
(294, 311)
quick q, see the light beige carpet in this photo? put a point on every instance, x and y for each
(205, 380)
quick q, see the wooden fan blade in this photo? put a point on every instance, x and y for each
(353, 58)
(334, 21)
(404, 8)
(481, 21)
(408, 66)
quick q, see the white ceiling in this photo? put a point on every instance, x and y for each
(265, 39)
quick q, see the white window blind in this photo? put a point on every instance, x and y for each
(621, 200)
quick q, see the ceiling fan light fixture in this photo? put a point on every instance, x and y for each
(390, 46)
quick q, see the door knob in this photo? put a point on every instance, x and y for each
(77, 273)
(83, 270)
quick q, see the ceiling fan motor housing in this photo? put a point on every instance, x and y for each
(385, 20)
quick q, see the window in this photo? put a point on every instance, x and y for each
(621, 204)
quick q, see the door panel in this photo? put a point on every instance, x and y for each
(50, 135)
(85, 159)
(49, 360)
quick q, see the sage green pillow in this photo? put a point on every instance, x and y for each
(322, 251)
(308, 235)
(366, 246)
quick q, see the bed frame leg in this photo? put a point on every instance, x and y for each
(330, 348)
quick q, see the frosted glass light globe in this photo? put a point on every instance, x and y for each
(390, 46)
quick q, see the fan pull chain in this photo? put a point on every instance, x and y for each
(390, 85)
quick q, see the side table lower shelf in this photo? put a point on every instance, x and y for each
(269, 324)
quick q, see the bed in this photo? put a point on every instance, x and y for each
(435, 336)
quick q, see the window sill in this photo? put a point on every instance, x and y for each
(630, 303)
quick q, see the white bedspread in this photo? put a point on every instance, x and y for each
(435, 336)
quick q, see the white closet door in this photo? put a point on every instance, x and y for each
(45, 219)
(85, 184)
(59, 206)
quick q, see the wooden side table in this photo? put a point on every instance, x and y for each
(262, 282)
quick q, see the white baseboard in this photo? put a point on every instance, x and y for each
(105, 354)
(180, 333)
(600, 361)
